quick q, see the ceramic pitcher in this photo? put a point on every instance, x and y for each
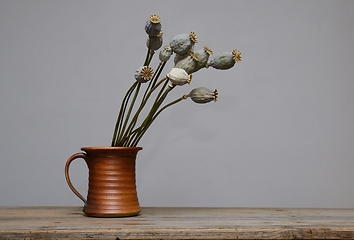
(111, 181)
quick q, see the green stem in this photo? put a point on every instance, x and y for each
(150, 56)
(156, 76)
(152, 82)
(147, 62)
(145, 127)
(125, 139)
(153, 109)
(121, 114)
(159, 70)
(121, 133)
(158, 101)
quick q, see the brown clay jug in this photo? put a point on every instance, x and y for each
(111, 181)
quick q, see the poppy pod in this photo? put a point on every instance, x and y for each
(188, 63)
(153, 26)
(183, 43)
(165, 53)
(203, 56)
(203, 95)
(144, 74)
(225, 60)
(154, 42)
(179, 77)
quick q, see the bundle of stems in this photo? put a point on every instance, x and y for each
(126, 132)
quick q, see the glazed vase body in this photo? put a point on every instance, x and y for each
(111, 181)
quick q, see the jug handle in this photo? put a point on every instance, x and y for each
(67, 165)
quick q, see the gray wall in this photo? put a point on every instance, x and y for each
(281, 134)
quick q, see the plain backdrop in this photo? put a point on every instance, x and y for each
(280, 135)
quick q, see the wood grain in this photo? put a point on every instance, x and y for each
(178, 223)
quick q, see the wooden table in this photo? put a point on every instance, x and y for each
(178, 223)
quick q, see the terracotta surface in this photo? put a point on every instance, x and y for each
(111, 181)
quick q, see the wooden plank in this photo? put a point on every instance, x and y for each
(178, 223)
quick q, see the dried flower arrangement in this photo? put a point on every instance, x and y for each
(186, 62)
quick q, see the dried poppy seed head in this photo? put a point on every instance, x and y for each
(188, 63)
(179, 77)
(165, 53)
(225, 60)
(144, 74)
(153, 26)
(155, 42)
(203, 56)
(203, 95)
(183, 43)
